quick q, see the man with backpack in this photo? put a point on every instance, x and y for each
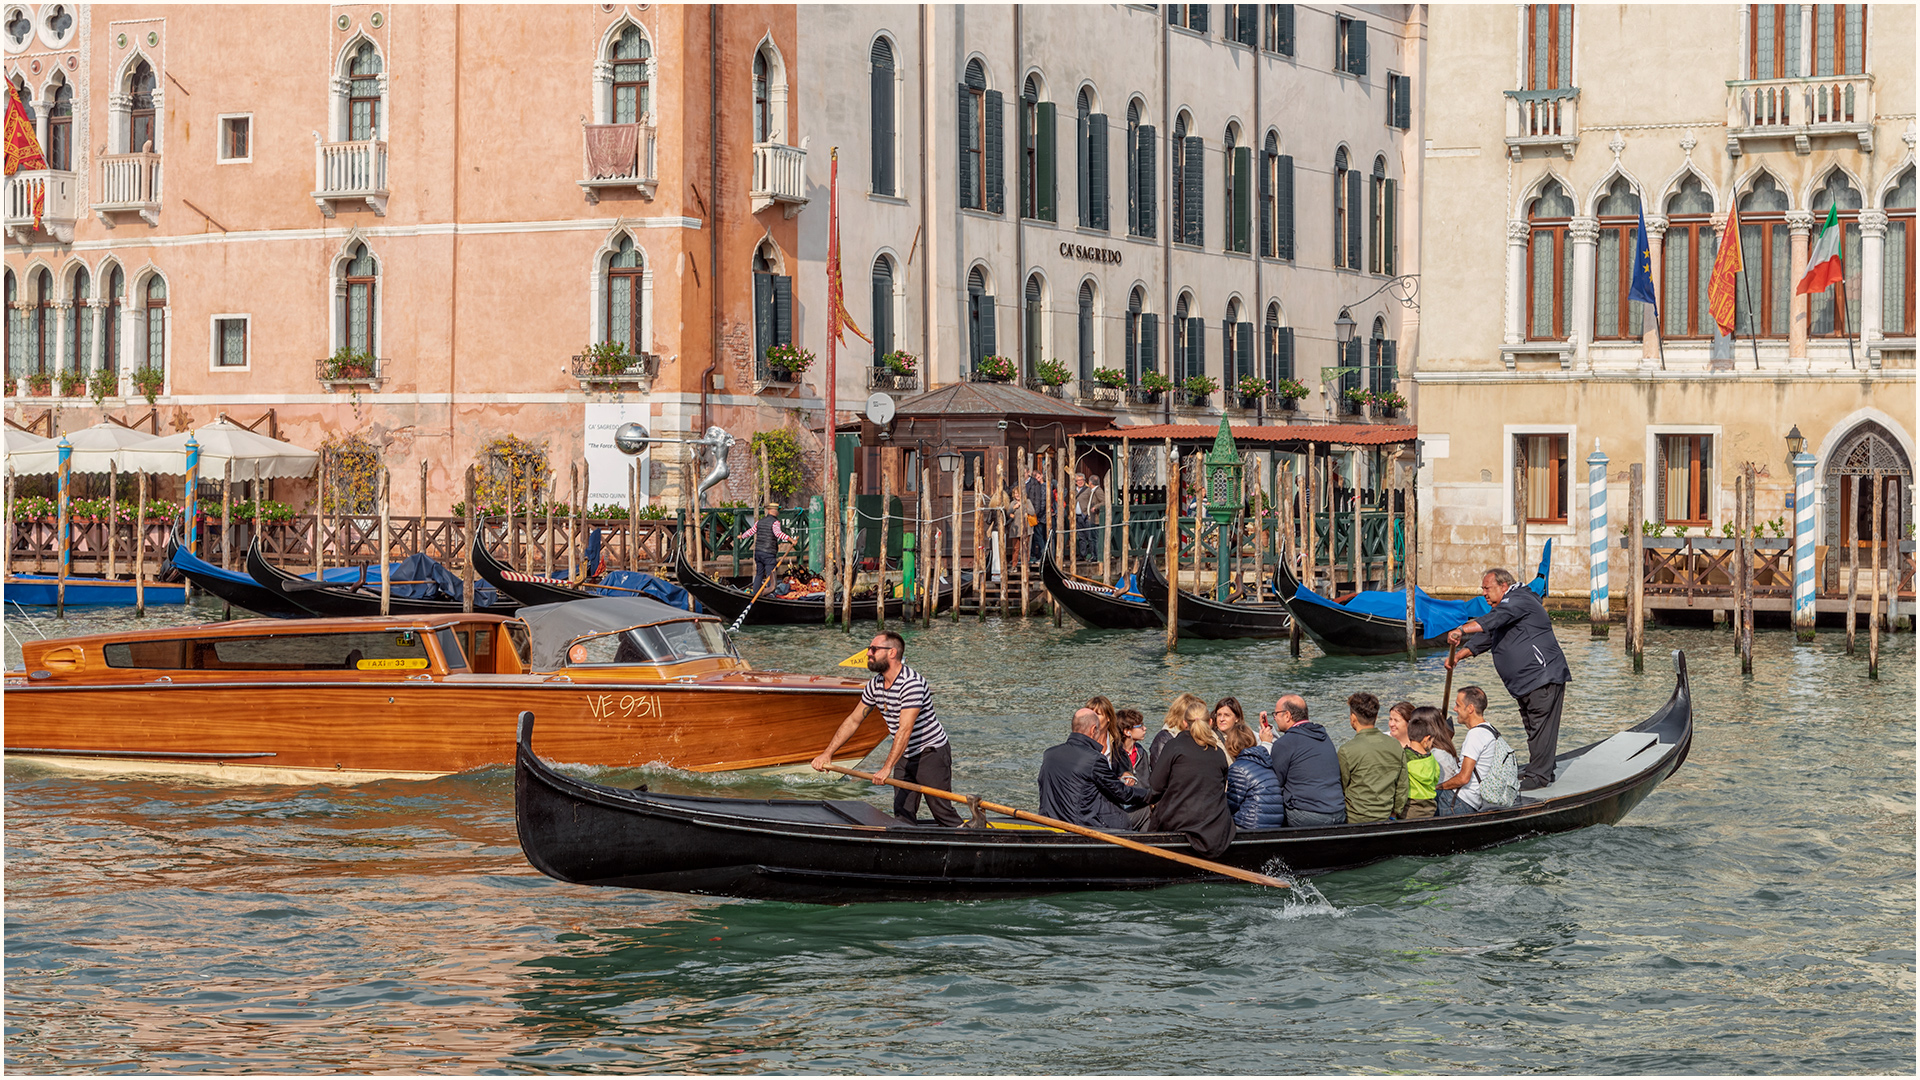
(1527, 655)
(1488, 778)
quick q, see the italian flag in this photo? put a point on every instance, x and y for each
(1823, 266)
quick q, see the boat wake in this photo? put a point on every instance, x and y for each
(1304, 899)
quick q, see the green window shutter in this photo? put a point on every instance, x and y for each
(1197, 17)
(1083, 172)
(1242, 197)
(1196, 347)
(1044, 161)
(783, 310)
(996, 155)
(1373, 224)
(1033, 355)
(1357, 47)
(968, 197)
(989, 339)
(1193, 192)
(762, 316)
(1243, 350)
(1283, 206)
(1266, 205)
(1149, 342)
(1097, 170)
(1286, 29)
(1147, 181)
(1388, 240)
(1390, 364)
(1284, 354)
(1249, 24)
(1403, 103)
(1353, 219)
(1021, 137)
(882, 134)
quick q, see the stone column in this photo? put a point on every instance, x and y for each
(1650, 334)
(1801, 223)
(1584, 234)
(1517, 233)
(1873, 265)
(1597, 612)
(1803, 545)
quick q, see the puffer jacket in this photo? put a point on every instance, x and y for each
(1253, 791)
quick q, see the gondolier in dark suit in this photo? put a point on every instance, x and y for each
(920, 753)
(1529, 661)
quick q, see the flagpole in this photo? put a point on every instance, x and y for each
(1753, 338)
(833, 339)
(1846, 325)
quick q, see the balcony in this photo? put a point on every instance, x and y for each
(892, 382)
(779, 176)
(618, 156)
(350, 172)
(40, 202)
(610, 373)
(129, 184)
(1801, 110)
(348, 375)
(1543, 118)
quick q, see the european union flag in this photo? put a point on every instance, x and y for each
(1641, 288)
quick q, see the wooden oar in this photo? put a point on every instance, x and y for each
(1082, 830)
(1446, 695)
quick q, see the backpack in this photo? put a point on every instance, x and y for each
(1501, 785)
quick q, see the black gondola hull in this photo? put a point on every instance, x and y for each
(1339, 632)
(525, 592)
(839, 852)
(250, 595)
(339, 601)
(1095, 607)
(728, 602)
(1205, 617)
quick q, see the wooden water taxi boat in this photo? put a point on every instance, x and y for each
(844, 850)
(1101, 607)
(1205, 617)
(624, 682)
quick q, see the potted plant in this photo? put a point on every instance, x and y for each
(39, 384)
(603, 361)
(1051, 374)
(1153, 384)
(103, 384)
(148, 382)
(1355, 398)
(1289, 393)
(901, 362)
(1199, 389)
(1252, 389)
(994, 368)
(71, 382)
(786, 362)
(1389, 403)
(348, 364)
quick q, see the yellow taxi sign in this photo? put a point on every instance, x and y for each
(858, 660)
(397, 663)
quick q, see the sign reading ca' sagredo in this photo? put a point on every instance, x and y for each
(1090, 254)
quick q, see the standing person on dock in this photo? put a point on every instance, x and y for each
(920, 753)
(1529, 661)
(767, 538)
(1035, 492)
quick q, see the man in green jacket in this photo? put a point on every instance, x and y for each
(1373, 769)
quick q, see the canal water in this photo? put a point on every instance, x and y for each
(1756, 914)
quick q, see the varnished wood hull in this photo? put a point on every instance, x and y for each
(410, 727)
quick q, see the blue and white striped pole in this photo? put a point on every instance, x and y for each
(1803, 545)
(64, 491)
(193, 495)
(1597, 611)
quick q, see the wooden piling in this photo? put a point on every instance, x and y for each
(1173, 551)
(1411, 573)
(573, 498)
(1290, 536)
(926, 549)
(850, 565)
(386, 565)
(139, 550)
(1520, 523)
(419, 538)
(1003, 507)
(473, 541)
(1746, 585)
(1636, 566)
(1853, 560)
(830, 555)
(259, 523)
(113, 520)
(1026, 554)
(547, 554)
(886, 520)
(1873, 605)
(320, 516)
(1359, 543)
(959, 484)
(1063, 533)
(1124, 469)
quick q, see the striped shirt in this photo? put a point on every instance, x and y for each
(909, 691)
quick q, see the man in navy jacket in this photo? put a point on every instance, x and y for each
(1530, 663)
(1078, 784)
(1308, 766)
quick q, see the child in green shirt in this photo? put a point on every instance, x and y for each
(1423, 772)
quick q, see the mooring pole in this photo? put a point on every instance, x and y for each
(1873, 606)
(1636, 561)
(1598, 613)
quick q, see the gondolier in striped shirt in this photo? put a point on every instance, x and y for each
(920, 753)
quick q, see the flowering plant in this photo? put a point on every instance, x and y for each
(900, 362)
(997, 368)
(1252, 386)
(1391, 399)
(1287, 389)
(1155, 381)
(1111, 378)
(1051, 372)
(1200, 385)
(789, 357)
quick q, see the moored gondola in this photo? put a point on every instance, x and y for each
(729, 602)
(331, 601)
(1347, 630)
(242, 591)
(524, 588)
(1205, 617)
(837, 851)
(1099, 606)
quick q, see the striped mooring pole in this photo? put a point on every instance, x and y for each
(1803, 463)
(1597, 613)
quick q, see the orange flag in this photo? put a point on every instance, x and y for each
(837, 316)
(1725, 266)
(23, 149)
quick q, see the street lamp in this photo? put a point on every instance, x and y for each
(1796, 443)
(1343, 327)
(1223, 498)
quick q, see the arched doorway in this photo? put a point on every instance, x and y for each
(1866, 448)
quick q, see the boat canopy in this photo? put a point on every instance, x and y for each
(1435, 617)
(556, 626)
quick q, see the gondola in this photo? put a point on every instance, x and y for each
(1205, 617)
(241, 590)
(531, 590)
(1343, 631)
(338, 601)
(845, 850)
(729, 602)
(1098, 606)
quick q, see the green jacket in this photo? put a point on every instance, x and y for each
(1373, 773)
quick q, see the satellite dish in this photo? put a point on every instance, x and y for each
(880, 409)
(631, 438)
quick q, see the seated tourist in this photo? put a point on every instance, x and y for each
(1078, 784)
(1130, 757)
(1253, 792)
(1423, 765)
(1175, 721)
(1373, 770)
(1307, 766)
(1488, 778)
(1445, 756)
(1189, 785)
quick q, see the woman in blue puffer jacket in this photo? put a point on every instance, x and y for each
(1253, 791)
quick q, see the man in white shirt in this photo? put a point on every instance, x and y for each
(1471, 704)
(920, 753)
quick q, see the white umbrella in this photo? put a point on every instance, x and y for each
(20, 442)
(221, 442)
(94, 450)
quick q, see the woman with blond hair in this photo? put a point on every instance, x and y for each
(1189, 782)
(1176, 721)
